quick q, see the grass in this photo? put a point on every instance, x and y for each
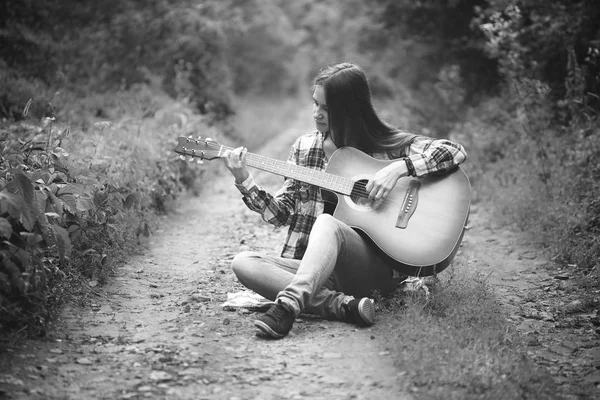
(457, 344)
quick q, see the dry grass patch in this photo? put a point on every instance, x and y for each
(457, 344)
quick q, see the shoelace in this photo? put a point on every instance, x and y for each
(277, 312)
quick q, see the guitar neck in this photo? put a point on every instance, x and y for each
(321, 179)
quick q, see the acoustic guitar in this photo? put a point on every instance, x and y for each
(420, 224)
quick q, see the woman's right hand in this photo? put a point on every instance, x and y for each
(235, 161)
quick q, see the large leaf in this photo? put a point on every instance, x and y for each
(84, 204)
(5, 287)
(62, 241)
(14, 274)
(41, 200)
(34, 239)
(42, 174)
(132, 200)
(40, 210)
(69, 201)
(27, 219)
(25, 186)
(24, 203)
(23, 255)
(5, 228)
(69, 189)
(9, 204)
(57, 205)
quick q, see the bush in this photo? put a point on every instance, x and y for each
(537, 145)
(73, 202)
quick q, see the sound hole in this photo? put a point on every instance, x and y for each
(359, 197)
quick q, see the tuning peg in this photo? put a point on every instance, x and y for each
(190, 159)
(208, 139)
(182, 157)
(199, 161)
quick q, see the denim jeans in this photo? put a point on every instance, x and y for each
(338, 265)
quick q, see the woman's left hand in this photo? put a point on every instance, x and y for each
(384, 180)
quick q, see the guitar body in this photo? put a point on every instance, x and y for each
(422, 240)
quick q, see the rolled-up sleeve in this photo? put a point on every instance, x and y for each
(433, 156)
(276, 210)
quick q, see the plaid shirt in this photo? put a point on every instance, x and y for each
(298, 204)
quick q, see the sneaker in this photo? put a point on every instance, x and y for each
(276, 322)
(360, 311)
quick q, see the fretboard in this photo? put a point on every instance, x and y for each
(321, 179)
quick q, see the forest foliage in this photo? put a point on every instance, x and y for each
(86, 88)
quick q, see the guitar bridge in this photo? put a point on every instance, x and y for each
(409, 204)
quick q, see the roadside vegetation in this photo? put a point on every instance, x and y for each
(455, 342)
(93, 96)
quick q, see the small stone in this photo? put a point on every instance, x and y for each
(199, 298)
(160, 376)
(546, 316)
(528, 255)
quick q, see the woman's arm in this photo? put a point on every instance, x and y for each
(433, 156)
(277, 209)
(424, 157)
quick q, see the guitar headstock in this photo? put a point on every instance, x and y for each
(198, 150)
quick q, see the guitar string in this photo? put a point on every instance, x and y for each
(361, 192)
(358, 189)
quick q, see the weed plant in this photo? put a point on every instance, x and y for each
(456, 343)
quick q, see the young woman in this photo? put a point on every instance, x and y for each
(326, 267)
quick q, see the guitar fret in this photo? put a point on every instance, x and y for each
(318, 178)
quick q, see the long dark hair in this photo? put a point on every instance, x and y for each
(353, 120)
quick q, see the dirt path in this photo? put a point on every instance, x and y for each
(159, 329)
(550, 307)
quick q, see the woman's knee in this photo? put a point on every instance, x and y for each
(328, 228)
(243, 264)
(326, 221)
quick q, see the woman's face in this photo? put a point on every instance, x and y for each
(320, 112)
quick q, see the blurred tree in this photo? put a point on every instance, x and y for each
(443, 29)
(556, 42)
(260, 45)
